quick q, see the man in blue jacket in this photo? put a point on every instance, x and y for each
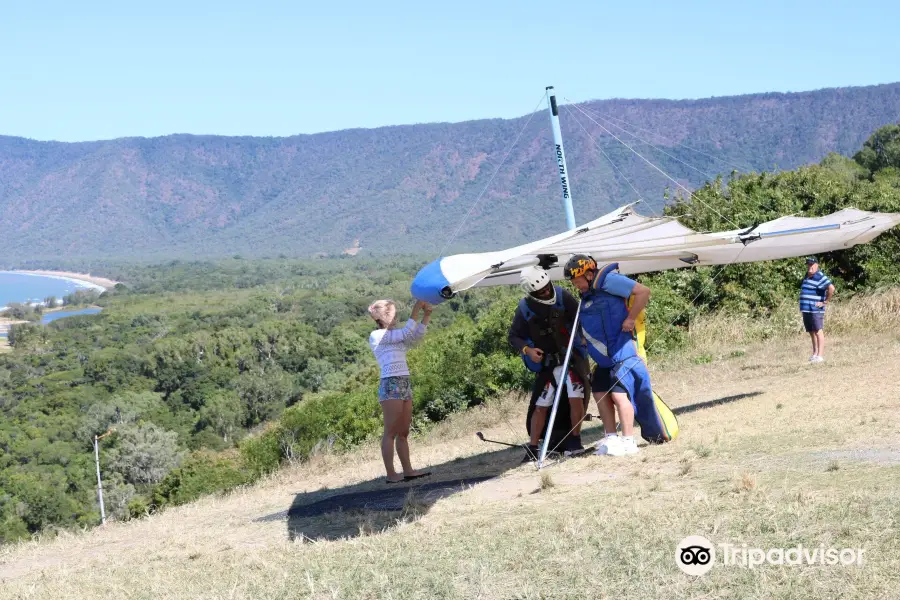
(611, 303)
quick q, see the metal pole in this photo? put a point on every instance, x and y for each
(570, 223)
(561, 159)
(559, 387)
(99, 481)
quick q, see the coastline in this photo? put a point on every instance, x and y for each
(85, 280)
(5, 324)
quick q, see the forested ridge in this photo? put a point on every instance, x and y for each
(403, 188)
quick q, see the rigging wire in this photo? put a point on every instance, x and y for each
(497, 170)
(657, 148)
(711, 281)
(600, 148)
(462, 222)
(745, 168)
(597, 145)
(649, 162)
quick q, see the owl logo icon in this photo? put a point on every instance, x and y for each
(695, 555)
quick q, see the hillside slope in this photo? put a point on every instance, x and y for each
(761, 461)
(399, 189)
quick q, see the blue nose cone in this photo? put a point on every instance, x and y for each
(430, 284)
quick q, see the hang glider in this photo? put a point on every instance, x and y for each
(637, 243)
(642, 244)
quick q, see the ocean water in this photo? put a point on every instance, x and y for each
(62, 314)
(53, 316)
(16, 287)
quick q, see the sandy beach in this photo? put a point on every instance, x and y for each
(98, 283)
(4, 330)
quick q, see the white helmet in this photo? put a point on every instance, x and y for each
(533, 279)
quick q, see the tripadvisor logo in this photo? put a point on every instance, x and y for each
(696, 555)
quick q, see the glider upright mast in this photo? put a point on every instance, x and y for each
(560, 158)
(570, 223)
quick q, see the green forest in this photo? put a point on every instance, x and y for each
(209, 374)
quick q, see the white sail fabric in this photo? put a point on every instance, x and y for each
(641, 244)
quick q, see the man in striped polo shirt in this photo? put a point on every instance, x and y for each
(815, 292)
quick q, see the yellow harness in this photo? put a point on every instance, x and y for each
(670, 423)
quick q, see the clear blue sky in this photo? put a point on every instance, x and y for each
(97, 70)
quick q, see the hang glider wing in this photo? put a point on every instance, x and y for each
(641, 244)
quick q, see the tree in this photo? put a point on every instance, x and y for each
(264, 394)
(314, 376)
(882, 150)
(848, 168)
(23, 312)
(81, 297)
(116, 496)
(222, 413)
(144, 453)
(38, 499)
(114, 368)
(32, 338)
(121, 409)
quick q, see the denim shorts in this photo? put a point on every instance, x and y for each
(395, 388)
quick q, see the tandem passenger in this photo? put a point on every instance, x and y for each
(611, 305)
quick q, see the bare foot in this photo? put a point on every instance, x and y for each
(395, 478)
(415, 474)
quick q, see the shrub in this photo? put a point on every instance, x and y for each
(199, 475)
(261, 454)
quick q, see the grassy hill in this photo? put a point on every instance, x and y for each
(763, 459)
(404, 188)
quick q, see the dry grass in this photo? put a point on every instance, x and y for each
(757, 475)
(721, 336)
(546, 481)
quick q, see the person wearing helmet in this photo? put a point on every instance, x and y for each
(540, 332)
(611, 303)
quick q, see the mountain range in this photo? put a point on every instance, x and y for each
(409, 188)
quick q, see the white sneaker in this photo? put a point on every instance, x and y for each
(819, 359)
(624, 448)
(603, 448)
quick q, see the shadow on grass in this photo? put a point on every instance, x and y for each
(373, 506)
(711, 403)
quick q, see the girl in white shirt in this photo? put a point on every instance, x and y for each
(389, 345)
